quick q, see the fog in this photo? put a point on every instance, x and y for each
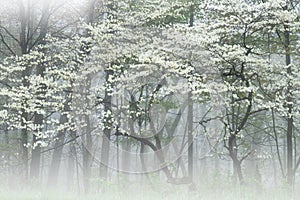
(162, 99)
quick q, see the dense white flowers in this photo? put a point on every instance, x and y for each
(137, 64)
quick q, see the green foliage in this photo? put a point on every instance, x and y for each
(168, 104)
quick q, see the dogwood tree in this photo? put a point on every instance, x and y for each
(136, 56)
(235, 35)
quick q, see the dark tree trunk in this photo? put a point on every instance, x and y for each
(106, 133)
(190, 119)
(289, 135)
(25, 84)
(190, 137)
(87, 143)
(86, 155)
(39, 118)
(233, 152)
(71, 162)
(38, 121)
(58, 148)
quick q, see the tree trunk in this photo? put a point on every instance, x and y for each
(126, 147)
(289, 135)
(38, 121)
(39, 118)
(25, 41)
(190, 117)
(106, 132)
(86, 155)
(25, 84)
(71, 162)
(58, 148)
(87, 143)
(237, 170)
(190, 137)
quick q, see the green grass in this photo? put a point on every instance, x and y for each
(27, 195)
(161, 191)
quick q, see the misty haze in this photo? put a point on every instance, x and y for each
(150, 99)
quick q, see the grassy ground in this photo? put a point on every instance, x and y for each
(173, 195)
(161, 191)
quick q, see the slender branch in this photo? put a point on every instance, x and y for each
(9, 33)
(245, 156)
(7, 46)
(71, 140)
(277, 145)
